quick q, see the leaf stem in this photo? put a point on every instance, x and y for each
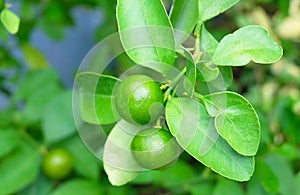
(173, 84)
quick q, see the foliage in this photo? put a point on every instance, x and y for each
(39, 115)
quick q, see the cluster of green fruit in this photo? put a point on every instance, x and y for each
(139, 100)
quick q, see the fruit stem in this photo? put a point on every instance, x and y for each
(173, 84)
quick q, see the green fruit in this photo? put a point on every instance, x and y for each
(57, 164)
(138, 99)
(155, 148)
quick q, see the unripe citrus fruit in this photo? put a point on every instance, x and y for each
(138, 99)
(57, 164)
(155, 148)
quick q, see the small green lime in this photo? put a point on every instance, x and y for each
(58, 164)
(155, 148)
(138, 99)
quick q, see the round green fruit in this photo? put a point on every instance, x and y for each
(155, 149)
(57, 164)
(138, 99)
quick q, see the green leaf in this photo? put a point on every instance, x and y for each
(208, 43)
(296, 183)
(235, 120)
(191, 76)
(41, 186)
(283, 171)
(184, 16)
(34, 81)
(246, 44)
(119, 163)
(37, 102)
(195, 132)
(9, 139)
(227, 187)
(33, 57)
(177, 175)
(266, 177)
(254, 187)
(57, 120)
(211, 8)
(82, 157)
(96, 98)
(205, 188)
(19, 169)
(10, 21)
(79, 187)
(207, 70)
(146, 33)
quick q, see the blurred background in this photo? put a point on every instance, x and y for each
(37, 69)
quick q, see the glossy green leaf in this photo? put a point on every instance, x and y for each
(57, 120)
(10, 21)
(184, 16)
(19, 169)
(119, 164)
(211, 8)
(191, 74)
(207, 70)
(266, 177)
(208, 43)
(9, 139)
(196, 133)
(96, 98)
(82, 157)
(146, 33)
(33, 57)
(250, 43)
(235, 120)
(227, 187)
(79, 187)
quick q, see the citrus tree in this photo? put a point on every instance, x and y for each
(189, 77)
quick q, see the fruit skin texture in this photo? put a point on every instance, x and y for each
(57, 164)
(155, 149)
(138, 99)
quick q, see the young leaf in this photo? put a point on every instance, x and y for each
(235, 120)
(57, 120)
(10, 20)
(96, 100)
(79, 187)
(19, 169)
(211, 8)
(34, 58)
(184, 15)
(146, 33)
(246, 44)
(207, 70)
(195, 132)
(119, 163)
